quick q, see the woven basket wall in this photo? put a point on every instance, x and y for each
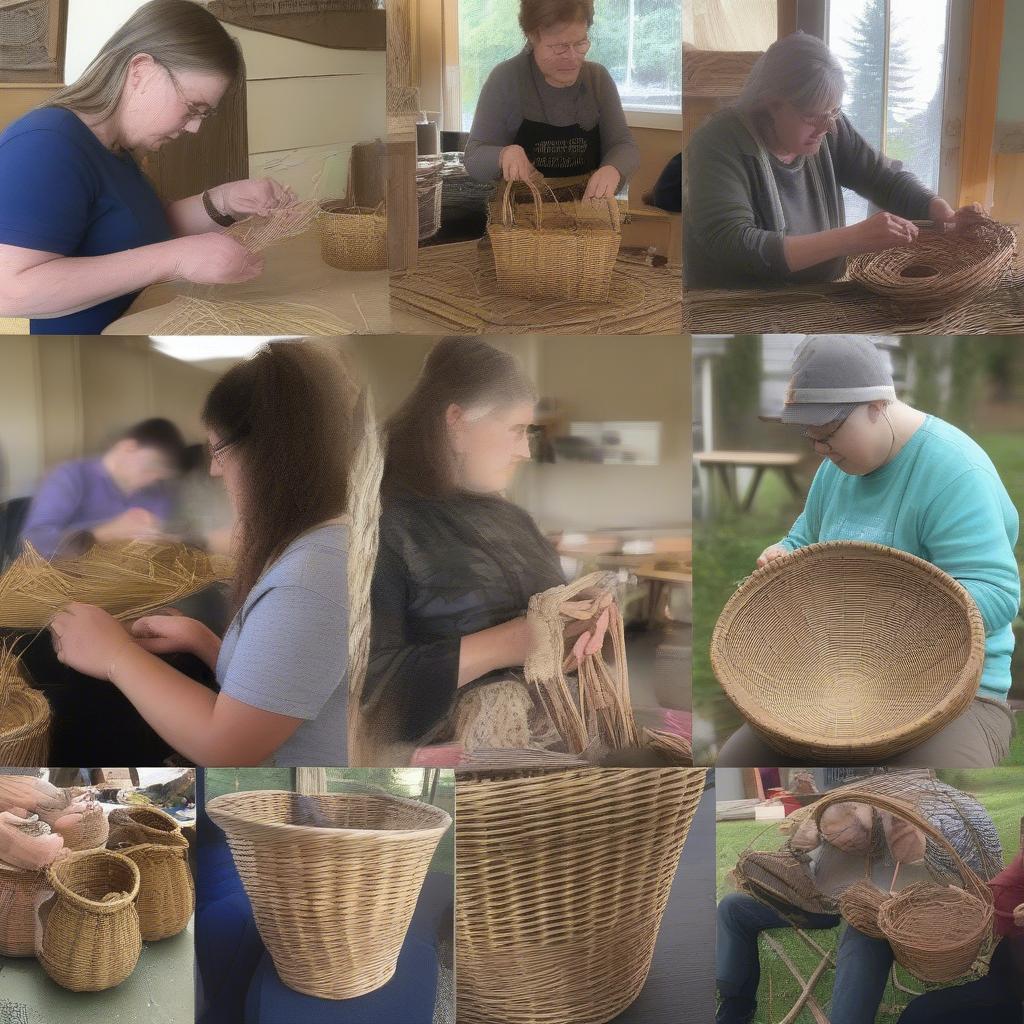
(90, 832)
(353, 237)
(154, 841)
(848, 653)
(90, 929)
(332, 900)
(554, 250)
(24, 728)
(21, 891)
(562, 879)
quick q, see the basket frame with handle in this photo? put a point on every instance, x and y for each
(544, 261)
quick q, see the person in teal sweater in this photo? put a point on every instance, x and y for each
(897, 476)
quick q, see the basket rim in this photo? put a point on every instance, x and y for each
(98, 906)
(130, 810)
(967, 681)
(219, 809)
(36, 701)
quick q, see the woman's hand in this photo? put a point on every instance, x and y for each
(966, 217)
(515, 164)
(882, 231)
(88, 639)
(172, 633)
(213, 258)
(602, 184)
(254, 197)
(131, 524)
(770, 554)
(591, 641)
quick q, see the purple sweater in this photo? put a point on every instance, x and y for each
(80, 495)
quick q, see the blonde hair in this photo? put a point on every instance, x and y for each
(799, 69)
(178, 34)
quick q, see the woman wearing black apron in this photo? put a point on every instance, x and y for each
(548, 111)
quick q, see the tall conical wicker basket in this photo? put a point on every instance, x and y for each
(333, 880)
(562, 879)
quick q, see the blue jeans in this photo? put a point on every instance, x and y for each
(862, 963)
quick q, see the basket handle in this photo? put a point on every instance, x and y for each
(508, 217)
(909, 812)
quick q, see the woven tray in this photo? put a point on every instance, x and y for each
(562, 879)
(333, 898)
(849, 653)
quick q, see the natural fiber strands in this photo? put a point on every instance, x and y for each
(90, 832)
(848, 653)
(188, 314)
(21, 892)
(333, 880)
(554, 250)
(780, 880)
(859, 906)
(153, 840)
(90, 929)
(598, 707)
(711, 73)
(353, 237)
(562, 879)
(260, 233)
(24, 717)
(941, 270)
(454, 286)
(128, 580)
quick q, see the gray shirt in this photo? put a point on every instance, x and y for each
(741, 202)
(516, 91)
(286, 650)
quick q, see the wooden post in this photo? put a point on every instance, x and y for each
(977, 168)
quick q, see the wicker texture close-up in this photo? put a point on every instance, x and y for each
(562, 879)
(848, 653)
(353, 237)
(333, 880)
(554, 250)
(154, 841)
(780, 880)
(90, 929)
(25, 719)
(859, 906)
(942, 269)
(89, 832)
(21, 891)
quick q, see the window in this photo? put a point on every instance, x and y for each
(895, 56)
(638, 41)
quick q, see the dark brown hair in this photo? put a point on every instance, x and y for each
(178, 34)
(538, 15)
(287, 414)
(462, 371)
(161, 435)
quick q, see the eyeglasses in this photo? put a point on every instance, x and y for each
(825, 441)
(218, 449)
(561, 49)
(823, 122)
(195, 112)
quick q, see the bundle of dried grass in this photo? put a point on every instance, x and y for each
(259, 233)
(189, 314)
(714, 73)
(24, 716)
(128, 580)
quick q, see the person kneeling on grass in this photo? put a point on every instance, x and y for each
(278, 426)
(896, 476)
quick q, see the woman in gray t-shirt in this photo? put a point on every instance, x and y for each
(765, 177)
(279, 428)
(551, 112)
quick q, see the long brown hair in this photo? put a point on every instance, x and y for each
(466, 372)
(287, 414)
(179, 34)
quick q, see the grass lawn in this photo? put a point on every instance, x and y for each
(1000, 791)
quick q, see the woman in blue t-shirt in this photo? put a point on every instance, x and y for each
(82, 231)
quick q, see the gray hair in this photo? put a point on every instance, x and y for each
(799, 69)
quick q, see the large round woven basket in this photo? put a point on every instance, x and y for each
(21, 891)
(153, 840)
(941, 269)
(90, 929)
(849, 653)
(333, 880)
(562, 879)
(353, 237)
(24, 728)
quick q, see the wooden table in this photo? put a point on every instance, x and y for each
(725, 464)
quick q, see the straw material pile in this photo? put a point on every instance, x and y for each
(128, 580)
(188, 314)
(712, 73)
(260, 233)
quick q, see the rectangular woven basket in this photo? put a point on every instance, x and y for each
(554, 250)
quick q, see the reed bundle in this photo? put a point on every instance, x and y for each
(260, 233)
(128, 580)
(189, 314)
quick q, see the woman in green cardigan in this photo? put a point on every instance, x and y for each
(765, 180)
